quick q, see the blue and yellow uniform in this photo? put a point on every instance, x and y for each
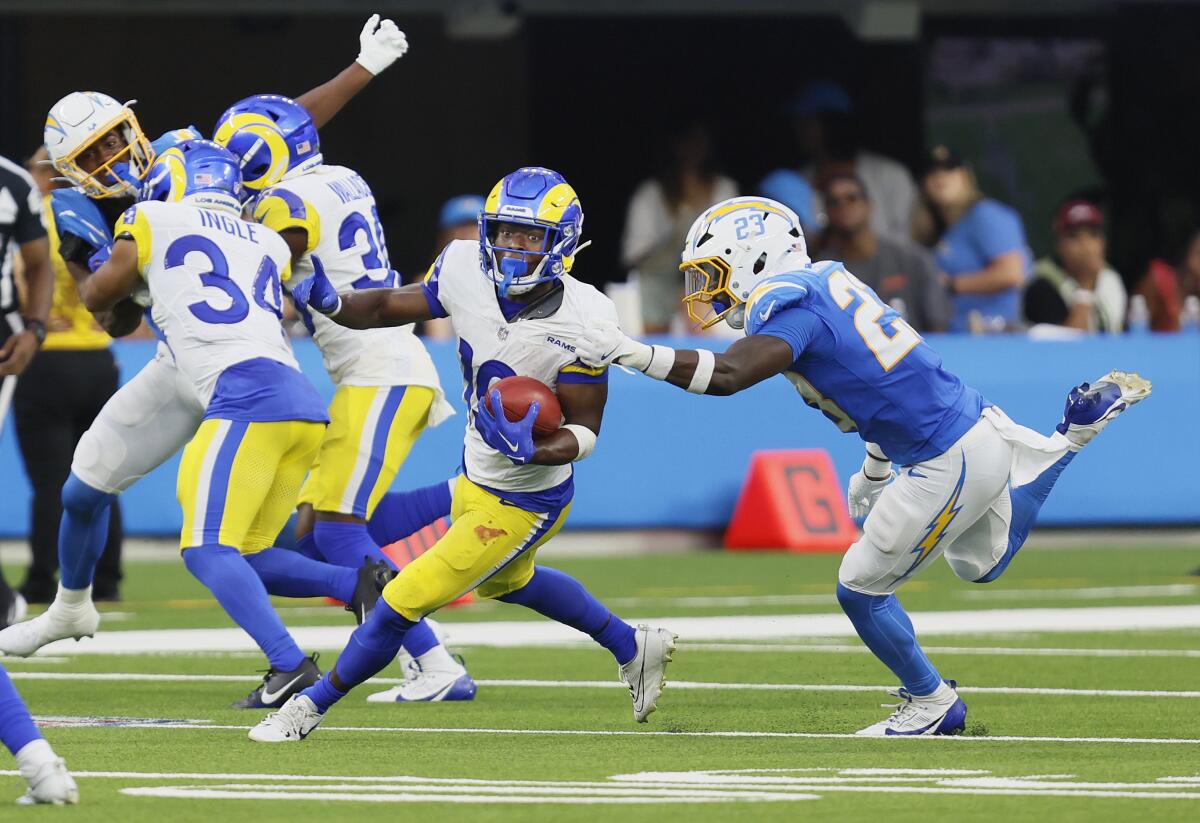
(215, 283)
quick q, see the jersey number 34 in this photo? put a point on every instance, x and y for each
(889, 340)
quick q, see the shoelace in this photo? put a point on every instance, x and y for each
(900, 710)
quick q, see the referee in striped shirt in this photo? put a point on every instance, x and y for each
(21, 335)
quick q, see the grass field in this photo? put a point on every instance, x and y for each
(1077, 711)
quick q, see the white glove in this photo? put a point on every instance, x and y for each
(379, 48)
(603, 344)
(862, 492)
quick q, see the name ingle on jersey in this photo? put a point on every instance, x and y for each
(222, 222)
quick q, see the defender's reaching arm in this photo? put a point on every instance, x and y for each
(381, 45)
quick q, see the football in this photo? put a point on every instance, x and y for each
(517, 393)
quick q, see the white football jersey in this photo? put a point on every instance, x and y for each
(337, 209)
(215, 282)
(491, 348)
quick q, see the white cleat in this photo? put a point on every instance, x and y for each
(51, 784)
(291, 724)
(1092, 406)
(58, 622)
(942, 712)
(429, 686)
(645, 673)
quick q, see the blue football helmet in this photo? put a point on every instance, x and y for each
(272, 136)
(535, 197)
(198, 172)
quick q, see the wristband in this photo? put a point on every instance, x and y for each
(586, 438)
(706, 361)
(662, 360)
(876, 467)
(37, 327)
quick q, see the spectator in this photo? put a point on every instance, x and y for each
(978, 242)
(56, 401)
(828, 138)
(458, 220)
(1076, 287)
(896, 268)
(1166, 286)
(793, 190)
(659, 215)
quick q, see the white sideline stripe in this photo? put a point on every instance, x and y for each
(1152, 741)
(990, 651)
(508, 634)
(613, 684)
(1092, 593)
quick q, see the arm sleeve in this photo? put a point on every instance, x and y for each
(29, 217)
(796, 327)
(1043, 303)
(431, 285)
(280, 209)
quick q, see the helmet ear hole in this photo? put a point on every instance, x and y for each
(760, 263)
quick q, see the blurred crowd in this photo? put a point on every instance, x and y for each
(940, 251)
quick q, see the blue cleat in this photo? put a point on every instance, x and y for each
(1090, 407)
(942, 712)
(430, 685)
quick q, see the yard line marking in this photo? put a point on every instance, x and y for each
(614, 684)
(508, 634)
(1091, 593)
(1171, 741)
(989, 651)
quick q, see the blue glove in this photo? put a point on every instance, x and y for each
(317, 293)
(513, 440)
(99, 258)
(122, 171)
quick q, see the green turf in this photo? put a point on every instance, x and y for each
(161, 595)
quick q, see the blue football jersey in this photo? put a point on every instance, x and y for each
(859, 363)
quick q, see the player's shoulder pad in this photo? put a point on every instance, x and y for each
(75, 213)
(280, 208)
(588, 300)
(135, 223)
(777, 293)
(172, 138)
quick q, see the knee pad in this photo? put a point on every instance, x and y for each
(862, 568)
(80, 498)
(970, 569)
(412, 595)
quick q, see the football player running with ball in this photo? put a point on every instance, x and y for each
(512, 304)
(972, 480)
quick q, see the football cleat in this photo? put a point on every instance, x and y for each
(429, 685)
(645, 673)
(51, 784)
(372, 577)
(278, 686)
(1090, 406)
(291, 724)
(58, 622)
(942, 712)
(14, 610)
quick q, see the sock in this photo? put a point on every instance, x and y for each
(420, 639)
(16, 726)
(82, 533)
(244, 598)
(346, 544)
(290, 574)
(307, 546)
(1027, 501)
(884, 626)
(399, 514)
(563, 598)
(370, 649)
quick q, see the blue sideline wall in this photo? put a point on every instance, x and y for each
(670, 459)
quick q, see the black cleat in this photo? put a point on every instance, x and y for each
(277, 686)
(372, 577)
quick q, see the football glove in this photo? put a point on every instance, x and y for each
(99, 258)
(863, 491)
(317, 293)
(603, 344)
(381, 47)
(513, 440)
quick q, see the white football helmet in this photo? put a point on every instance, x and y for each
(732, 247)
(79, 120)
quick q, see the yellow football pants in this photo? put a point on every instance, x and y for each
(238, 481)
(371, 430)
(489, 548)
